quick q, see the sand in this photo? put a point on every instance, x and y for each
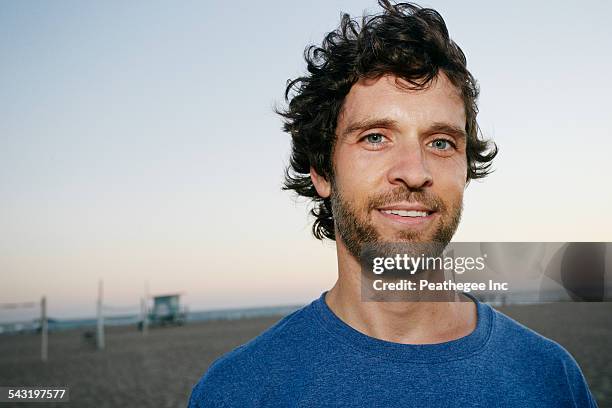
(159, 370)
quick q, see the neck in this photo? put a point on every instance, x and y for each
(415, 322)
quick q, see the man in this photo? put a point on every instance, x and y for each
(384, 141)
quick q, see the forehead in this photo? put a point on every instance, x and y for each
(388, 97)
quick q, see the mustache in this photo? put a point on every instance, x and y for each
(401, 194)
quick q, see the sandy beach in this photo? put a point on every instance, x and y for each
(159, 370)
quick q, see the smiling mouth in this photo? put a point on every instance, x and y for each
(418, 217)
(408, 213)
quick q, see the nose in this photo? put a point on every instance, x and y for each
(409, 167)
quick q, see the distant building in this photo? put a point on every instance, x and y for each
(167, 310)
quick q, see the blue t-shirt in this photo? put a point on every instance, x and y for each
(311, 358)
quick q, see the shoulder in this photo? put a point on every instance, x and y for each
(241, 371)
(528, 351)
(520, 337)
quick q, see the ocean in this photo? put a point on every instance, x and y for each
(134, 319)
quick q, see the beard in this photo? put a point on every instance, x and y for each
(354, 227)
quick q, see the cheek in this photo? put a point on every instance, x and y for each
(450, 177)
(357, 172)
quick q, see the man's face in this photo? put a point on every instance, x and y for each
(399, 164)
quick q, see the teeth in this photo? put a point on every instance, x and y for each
(406, 213)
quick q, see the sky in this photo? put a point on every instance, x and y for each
(138, 144)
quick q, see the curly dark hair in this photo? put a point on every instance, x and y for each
(405, 40)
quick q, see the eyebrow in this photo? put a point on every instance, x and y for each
(451, 130)
(369, 124)
(436, 127)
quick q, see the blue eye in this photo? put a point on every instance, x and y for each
(442, 144)
(375, 138)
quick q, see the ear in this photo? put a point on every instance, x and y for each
(322, 186)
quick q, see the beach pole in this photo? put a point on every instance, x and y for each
(145, 322)
(44, 328)
(145, 317)
(100, 331)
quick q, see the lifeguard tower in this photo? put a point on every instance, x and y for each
(166, 310)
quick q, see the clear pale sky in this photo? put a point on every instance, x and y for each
(138, 143)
